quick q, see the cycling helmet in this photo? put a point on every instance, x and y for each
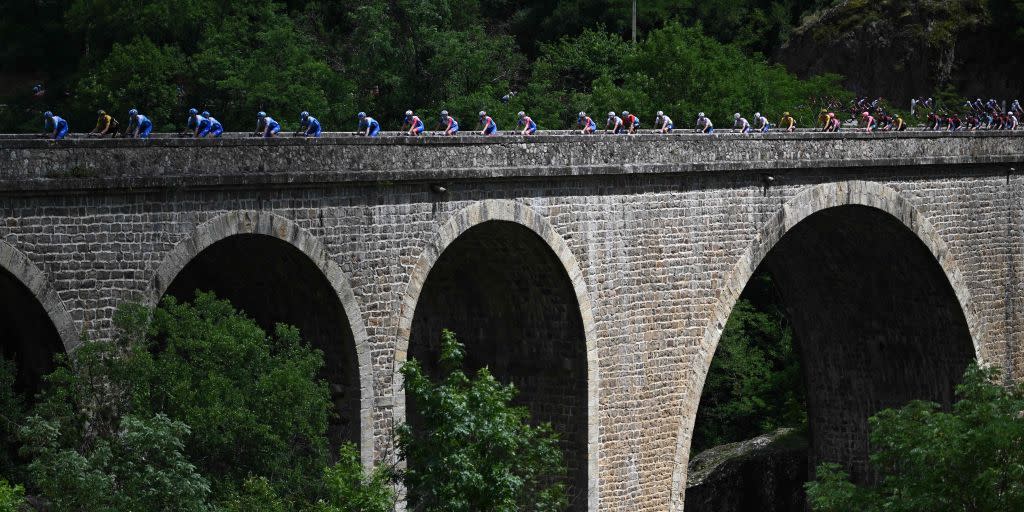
(361, 115)
(611, 114)
(785, 114)
(408, 113)
(47, 114)
(100, 112)
(192, 111)
(661, 114)
(261, 114)
(444, 113)
(133, 112)
(864, 114)
(205, 113)
(757, 114)
(625, 113)
(700, 114)
(582, 114)
(736, 115)
(483, 113)
(303, 114)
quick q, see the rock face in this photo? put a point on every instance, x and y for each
(907, 48)
(764, 474)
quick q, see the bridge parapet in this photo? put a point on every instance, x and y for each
(27, 164)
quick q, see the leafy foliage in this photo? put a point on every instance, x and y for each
(12, 497)
(755, 384)
(191, 407)
(970, 458)
(470, 450)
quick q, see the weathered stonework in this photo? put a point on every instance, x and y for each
(655, 238)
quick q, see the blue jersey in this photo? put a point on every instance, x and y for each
(59, 126)
(490, 128)
(270, 126)
(370, 126)
(144, 125)
(415, 124)
(528, 123)
(452, 125)
(216, 129)
(312, 126)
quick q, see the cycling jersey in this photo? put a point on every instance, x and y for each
(369, 126)
(490, 128)
(269, 126)
(743, 125)
(105, 123)
(451, 126)
(616, 123)
(588, 124)
(144, 126)
(58, 125)
(528, 124)
(216, 129)
(202, 125)
(704, 125)
(313, 128)
(415, 124)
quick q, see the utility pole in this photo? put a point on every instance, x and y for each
(634, 21)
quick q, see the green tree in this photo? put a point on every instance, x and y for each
(12, 497)
(469, 450)
(347, 487)
(970, 458)
(755, 384)
(255, 403)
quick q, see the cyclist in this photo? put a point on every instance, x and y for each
(105, 124)
(312, 125)
(414, 123)
(704, 124)
(741, 123)
(55, 126)
(869, 121)
(787, 122)
(615, 122)
(586, 124)
(490, 127)
(142, 124)
(216, 129)
(266, 126)
(762, 123)
(663, 123)
(451, 126)
(953, 123)
(368, 126)
(199, 125)
(529, 126)
(631, 121)
(824, 120)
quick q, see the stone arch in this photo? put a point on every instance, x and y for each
(276, 227)
(805, 204)
(25, 272)
(521, 215)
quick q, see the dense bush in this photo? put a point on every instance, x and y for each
(970, 458)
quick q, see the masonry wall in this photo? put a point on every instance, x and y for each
(663, 232)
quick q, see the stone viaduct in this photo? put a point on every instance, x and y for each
(596, 273)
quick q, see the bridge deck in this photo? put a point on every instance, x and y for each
(88, 163)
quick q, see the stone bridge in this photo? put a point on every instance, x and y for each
(596, 273)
